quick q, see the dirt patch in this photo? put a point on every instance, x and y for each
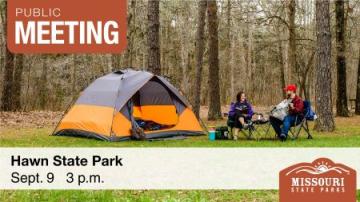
(348, 121)
(41, 119)
(38, 119)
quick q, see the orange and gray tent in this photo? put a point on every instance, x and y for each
(108, 107)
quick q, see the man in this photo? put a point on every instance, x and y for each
(296, 108)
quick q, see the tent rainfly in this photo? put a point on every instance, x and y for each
(108, 108)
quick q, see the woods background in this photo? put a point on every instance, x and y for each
(258, 46)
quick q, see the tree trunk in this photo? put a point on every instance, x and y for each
(17, 82)
(184, 51)
(2, 47)
(341, 101)
(233, 68)
(199, 52)
(73, 76)
(43, 89)
(305, 77)
(292, 40)
(154, 37)
(213, 82)
(226, 85)
(249, 43)
(357, 104)
(323, 103)
(6, 101)
(28, 104)
(131, 34)
(282, 63)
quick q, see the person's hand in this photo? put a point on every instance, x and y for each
(291, 105)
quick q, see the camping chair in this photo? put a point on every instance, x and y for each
(294, 131)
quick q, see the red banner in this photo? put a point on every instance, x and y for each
(67, 26)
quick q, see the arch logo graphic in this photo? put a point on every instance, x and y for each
(320, 181)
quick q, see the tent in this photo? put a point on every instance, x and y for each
(108, 107)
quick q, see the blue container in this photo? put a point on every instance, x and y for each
(212, 135)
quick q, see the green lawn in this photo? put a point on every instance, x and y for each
(143, 196)
(347, 134)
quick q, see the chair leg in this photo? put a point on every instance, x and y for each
(294, 132)
(298, 130)
(308, 133)
(306, 128)
(231, 133)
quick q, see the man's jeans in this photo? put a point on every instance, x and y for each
(288, 122)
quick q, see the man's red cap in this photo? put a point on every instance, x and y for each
(291, 87)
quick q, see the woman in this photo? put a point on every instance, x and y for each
(240, 112)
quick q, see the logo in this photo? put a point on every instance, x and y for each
(66, 26)
(320, 181)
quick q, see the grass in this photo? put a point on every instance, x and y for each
(140, 196)
(347, 134)
(143, 196)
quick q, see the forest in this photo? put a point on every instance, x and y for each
(210, 50)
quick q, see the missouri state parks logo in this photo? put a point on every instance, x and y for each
(320, 181)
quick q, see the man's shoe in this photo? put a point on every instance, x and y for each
(282, 137)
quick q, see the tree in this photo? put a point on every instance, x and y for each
(281, 61)
(357, 105)
(341, 101)
(154, 37)
(199, 53)
(291, 8)
(17, 82)
(6, 101)
(43, 82)
(253, 54)
(126, 59)
(213, 80)
(225, 72)
(323, 103)
(228, 92)
(73, 76)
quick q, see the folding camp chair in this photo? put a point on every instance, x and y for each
(295, 130)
